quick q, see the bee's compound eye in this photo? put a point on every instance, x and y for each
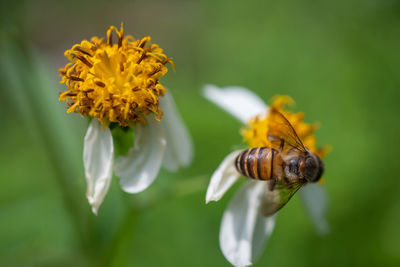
(294, 165)
(311, 168)
(320, 170)
(310, 163)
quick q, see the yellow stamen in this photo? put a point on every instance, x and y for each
(255, 134)
(115, 81)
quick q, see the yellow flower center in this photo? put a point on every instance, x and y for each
(256, 132)
(115, 82)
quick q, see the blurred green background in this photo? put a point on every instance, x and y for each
(340, 61)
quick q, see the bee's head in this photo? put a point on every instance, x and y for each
(314, 168)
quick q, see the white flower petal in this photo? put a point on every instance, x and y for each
(98, 153)
(140, 167)
(223, 178)
(179, 150)
(316, 202)
(239, 101)
(244, 230)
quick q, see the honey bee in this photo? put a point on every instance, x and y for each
(287, 165)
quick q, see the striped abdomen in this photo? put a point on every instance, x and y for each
(256, 163)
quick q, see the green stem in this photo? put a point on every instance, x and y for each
(117, 251)
(119, 248)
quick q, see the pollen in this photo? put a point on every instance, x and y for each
(256, 132)
(115, 82)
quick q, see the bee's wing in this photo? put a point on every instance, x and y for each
(277, 198)
(281, 133)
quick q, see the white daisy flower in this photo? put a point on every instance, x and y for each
(244, 230)
(118, 83)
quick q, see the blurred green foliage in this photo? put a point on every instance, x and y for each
(338, 59)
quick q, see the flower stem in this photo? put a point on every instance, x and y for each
(119, 248)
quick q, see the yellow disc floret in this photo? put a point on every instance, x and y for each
(255, 134)
(115, 82)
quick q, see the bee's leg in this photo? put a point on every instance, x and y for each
(271, 184)
(286, 180)
(281, 145)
